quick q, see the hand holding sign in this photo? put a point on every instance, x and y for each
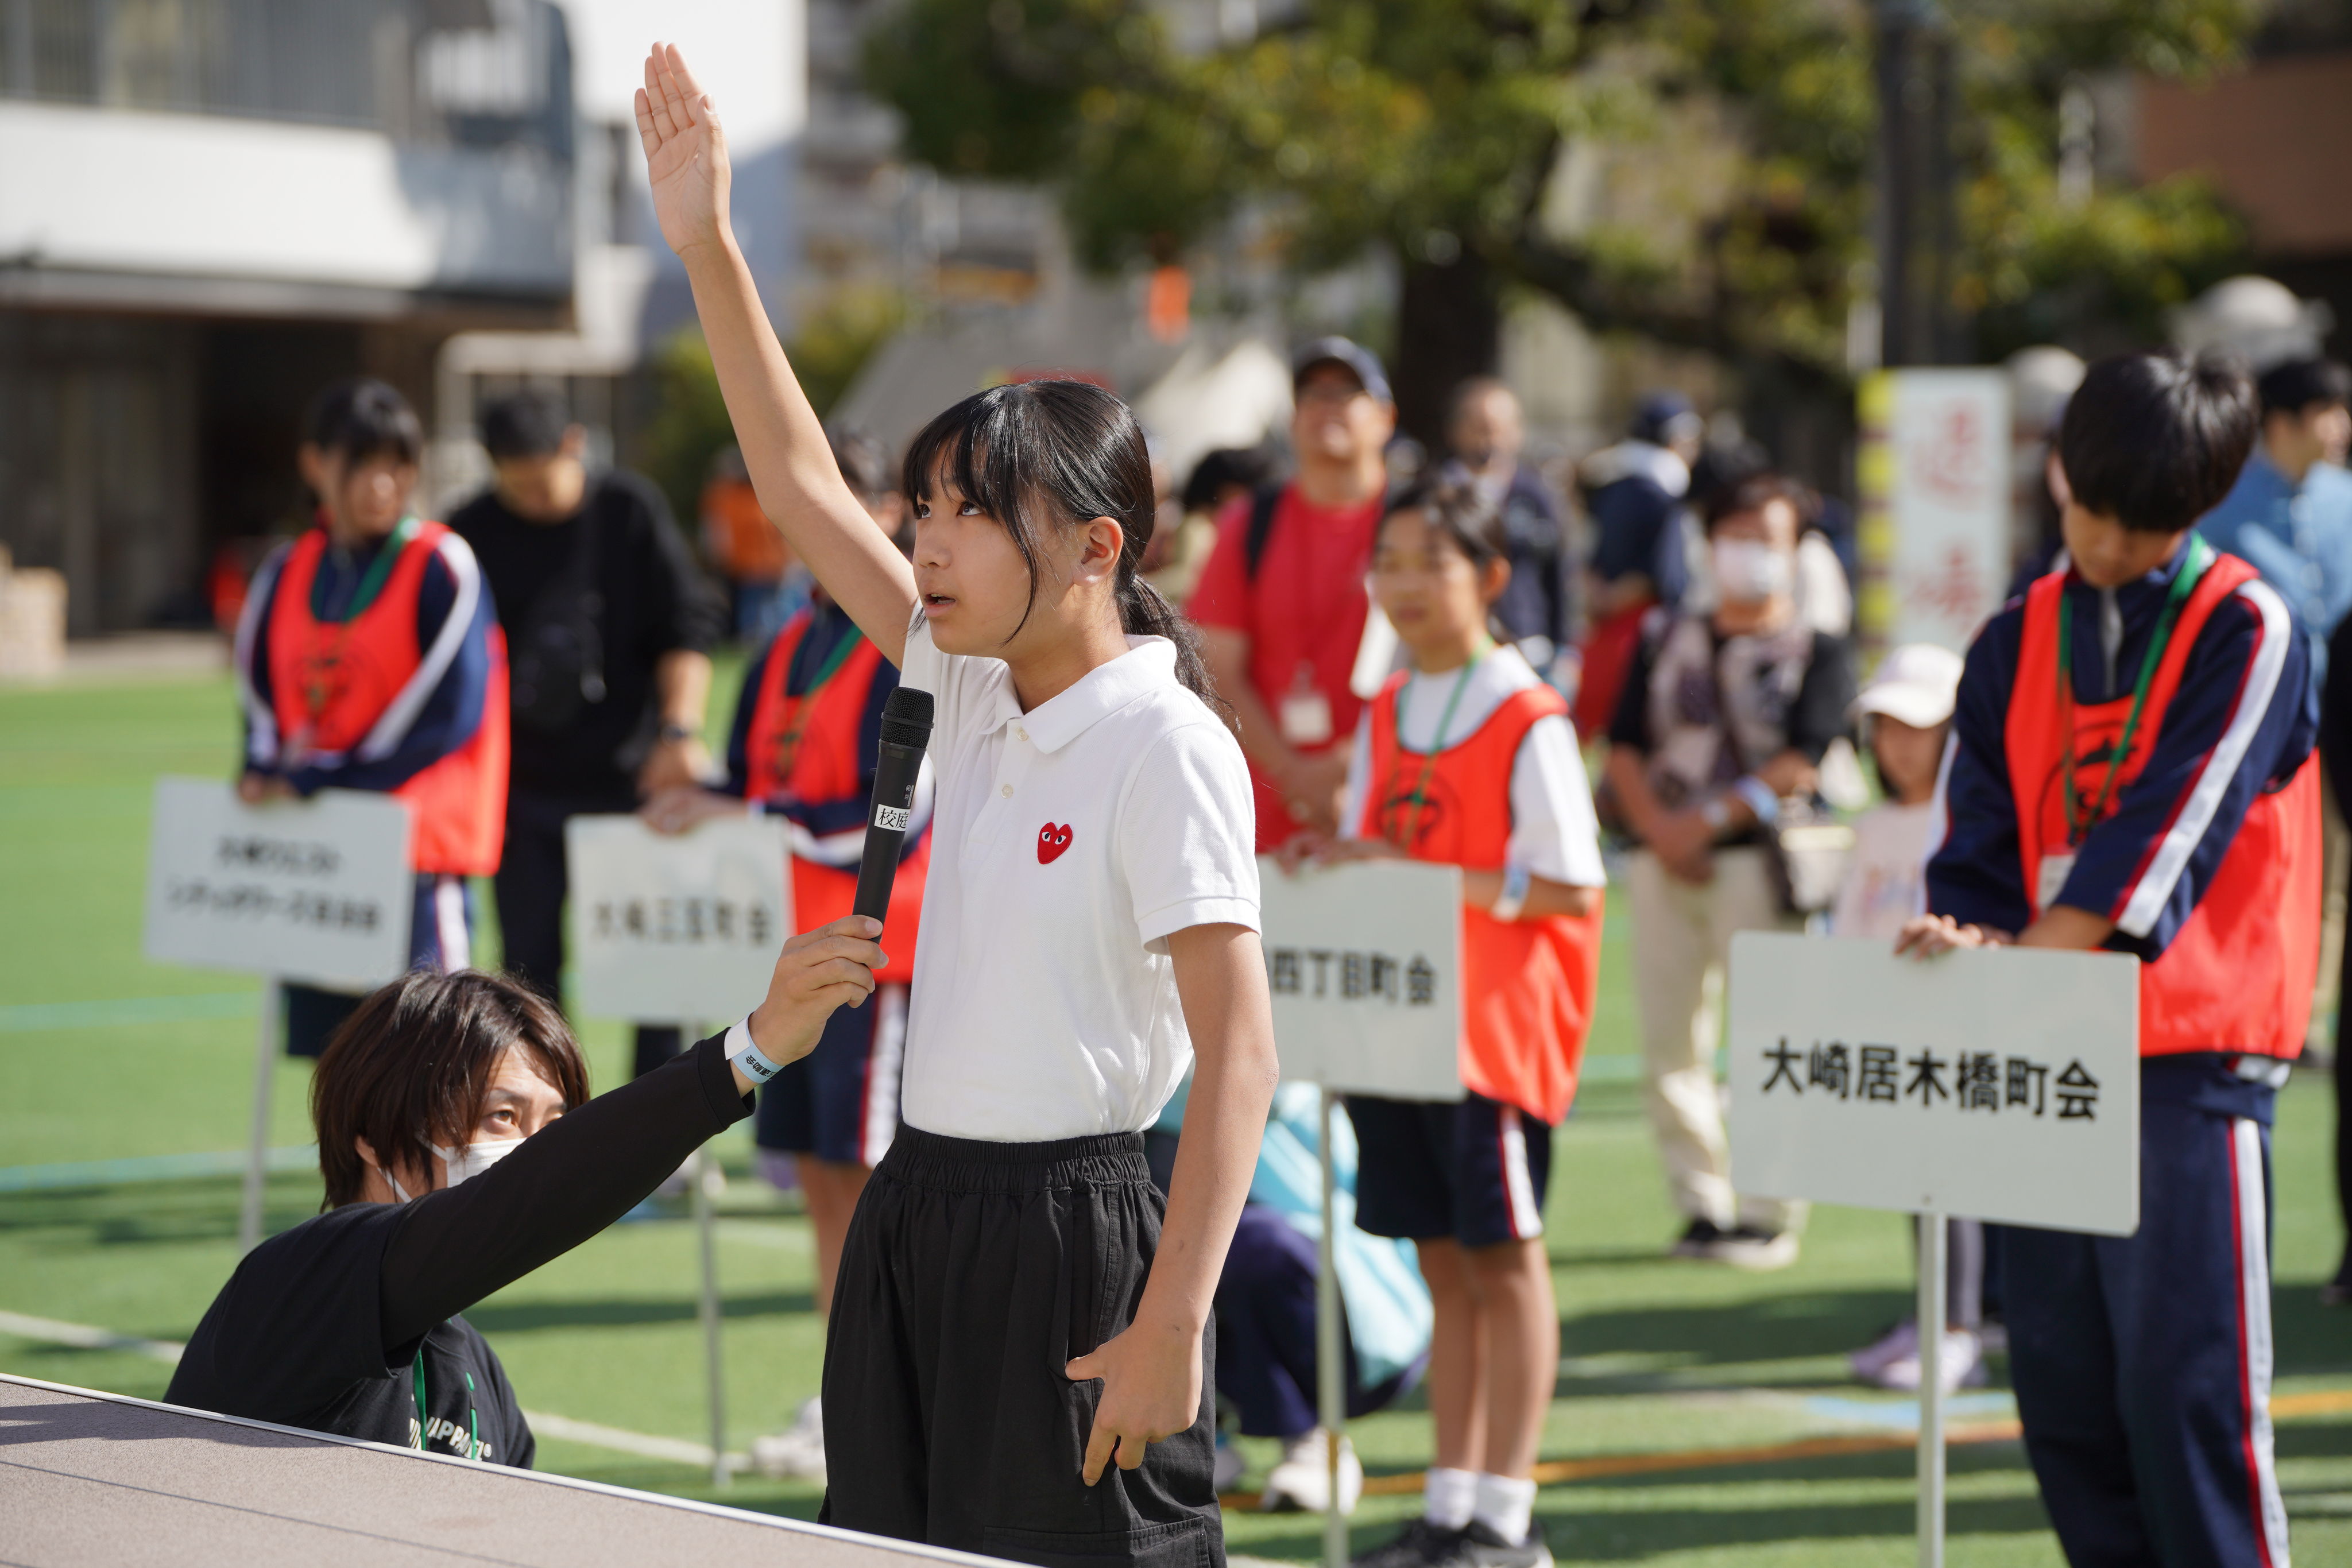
(831, 966)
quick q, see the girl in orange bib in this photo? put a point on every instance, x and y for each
(1468, 760)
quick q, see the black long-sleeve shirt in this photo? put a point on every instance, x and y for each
(322, 1326)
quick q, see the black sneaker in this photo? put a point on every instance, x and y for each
(1420, 1545)
(1699, 1239)
(1483, 1547)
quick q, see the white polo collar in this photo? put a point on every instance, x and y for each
(1147, 665)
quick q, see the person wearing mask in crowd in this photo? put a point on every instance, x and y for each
(460, 1151)
(1221, 478)
(367, 657)
(2130, 772)
(766, 585)
(1907, 714)
(609, 624)
(1635, 495)
(1724, 716)
(1488, 432)
(803, 748)
(1281, 604)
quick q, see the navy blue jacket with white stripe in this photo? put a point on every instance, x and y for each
(2242, 724)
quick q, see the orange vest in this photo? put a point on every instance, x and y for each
(1527, 985)
(331, 683)
(806, 746)
(2238, 975)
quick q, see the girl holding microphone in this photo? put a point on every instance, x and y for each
(1013, 1309)
(1467, 759)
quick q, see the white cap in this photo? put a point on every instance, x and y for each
(1916, 684)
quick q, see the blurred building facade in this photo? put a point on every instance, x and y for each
(213, 206)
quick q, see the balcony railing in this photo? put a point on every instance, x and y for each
(471, 73)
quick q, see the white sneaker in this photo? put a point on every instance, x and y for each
(1962, 1366)
(796, 1453)
(1302, 1479)
(1896, 1343)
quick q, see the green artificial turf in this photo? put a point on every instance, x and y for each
(1660, 1357)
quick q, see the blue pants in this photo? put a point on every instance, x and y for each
(2143, 1363)
(1265, 1332)
(440, 936)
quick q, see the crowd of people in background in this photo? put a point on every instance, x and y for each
(1671, 606)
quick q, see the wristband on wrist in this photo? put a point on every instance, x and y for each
(670, 732)
(1516, 880)
(1717, 814)
(743, 1052)
(1760, 799)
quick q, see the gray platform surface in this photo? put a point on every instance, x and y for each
(101, 1480)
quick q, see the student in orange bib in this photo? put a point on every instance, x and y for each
(803, 748)
(1468, 760)
(367, 657)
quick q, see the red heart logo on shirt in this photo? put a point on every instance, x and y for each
(1051, 841)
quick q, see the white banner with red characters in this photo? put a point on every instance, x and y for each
(1364, 961)
(1997, 1084)
(680, 928)
(1933, 473)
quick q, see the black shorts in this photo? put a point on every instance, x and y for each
(1476, 1171)
(840, 1102)
(973, 1274)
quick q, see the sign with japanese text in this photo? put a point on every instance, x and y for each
(1364, 963)
(317, 891)
(676, 926)
(1998, 1083)
(1934, 478)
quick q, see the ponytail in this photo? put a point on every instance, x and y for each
(1144, 612)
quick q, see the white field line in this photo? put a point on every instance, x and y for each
(82, 1336)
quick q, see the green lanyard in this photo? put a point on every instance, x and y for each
(2184, 582)
(788, 745)
(380, 569)
(473, 1412)
(1429, 762)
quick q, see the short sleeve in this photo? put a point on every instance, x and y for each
(944, 676)
(1188, 835)
(1221, 598)
(1555, 832)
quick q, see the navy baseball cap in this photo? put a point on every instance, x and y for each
(1352, 357)
(1662, 415)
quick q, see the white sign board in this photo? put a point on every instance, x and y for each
(1365, 962)
(1998, 1083)
(317, 891)
(1935, 472)
(681, 927)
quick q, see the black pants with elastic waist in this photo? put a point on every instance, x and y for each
(973, 1274)
(531, 881)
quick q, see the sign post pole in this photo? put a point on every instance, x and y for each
(1933, 1263)
(257, 1162)
(704, 1166)
(1331, 1357)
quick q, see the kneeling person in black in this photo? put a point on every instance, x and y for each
(348, 1322)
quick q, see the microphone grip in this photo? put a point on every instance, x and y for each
(895, 772)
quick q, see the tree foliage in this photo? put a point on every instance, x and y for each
(1438, 128)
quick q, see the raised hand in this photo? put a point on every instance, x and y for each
(686, 152)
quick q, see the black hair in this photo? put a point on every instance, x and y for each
(2294, 386)
(1077, 449)
(528, 424)
(864, 465)
(1758, 491)
(1461, 510)
(363, 418)
(411, 1067)
(1251, 468)
(2154, 441)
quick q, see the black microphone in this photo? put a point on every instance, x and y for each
(906, 731)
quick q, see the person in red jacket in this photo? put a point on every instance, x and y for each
(1468, 760)
(804, 748)
(367, 657)
(2131, 769)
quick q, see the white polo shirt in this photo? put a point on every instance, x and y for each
(1069, 843)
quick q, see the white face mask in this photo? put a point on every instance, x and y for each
(471, 1160)
(1749, 572)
